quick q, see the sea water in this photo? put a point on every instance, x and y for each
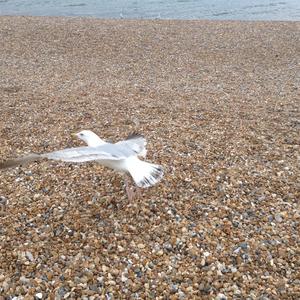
(158, 9)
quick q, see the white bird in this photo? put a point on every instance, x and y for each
(134, 141)
(121, 157)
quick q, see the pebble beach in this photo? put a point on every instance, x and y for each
(218, 102)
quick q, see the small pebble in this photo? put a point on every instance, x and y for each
(39, 295)
(278, 218)
(221, 296)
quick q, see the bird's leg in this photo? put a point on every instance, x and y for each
(129, 191)
(138, 192)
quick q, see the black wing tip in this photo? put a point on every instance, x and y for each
(134, 135)
(154, 177)
(11, 163)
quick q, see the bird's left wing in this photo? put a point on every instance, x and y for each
(135, 142)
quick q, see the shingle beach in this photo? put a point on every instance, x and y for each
(218, 102)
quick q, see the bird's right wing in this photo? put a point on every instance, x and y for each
(84, 154)
(11, 163)
(106, 152)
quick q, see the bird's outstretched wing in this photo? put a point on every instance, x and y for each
(136, 142)
(106, 152)
(84, 154)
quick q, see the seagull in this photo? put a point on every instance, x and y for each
(134, 141)
(122, 157)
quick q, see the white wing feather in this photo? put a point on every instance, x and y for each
(84, 154)
(135, 142)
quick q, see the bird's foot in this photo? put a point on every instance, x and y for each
(130, 193)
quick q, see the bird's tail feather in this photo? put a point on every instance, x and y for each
(19, 161)
(145, 174)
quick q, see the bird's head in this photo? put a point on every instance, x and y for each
(90, 138)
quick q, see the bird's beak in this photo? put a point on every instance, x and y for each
(74, 135)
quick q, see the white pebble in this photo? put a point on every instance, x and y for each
(39, 295)
(221, 296)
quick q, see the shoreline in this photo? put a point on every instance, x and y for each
(149, 19)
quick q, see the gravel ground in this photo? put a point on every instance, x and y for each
(219, 105)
